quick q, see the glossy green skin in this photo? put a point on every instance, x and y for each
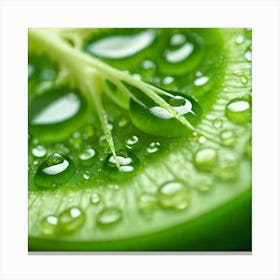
(226, 228)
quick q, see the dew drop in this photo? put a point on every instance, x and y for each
(146, 203)
(248, 54)
(86, 175)
(49, 225)
(71, 219)
(95, 198)
(87, 156)
(205, 159)
(174, 195)
(132, 140)
(179, 55)
(148, 64)
(201, 81)
(109, 216)
(153, 147)
(168, 80)
(218, 123)
(55, 170)
(227, 137)
(39, 151)
(177, 39)
(239, 40)
(238, 111)
(244, 80)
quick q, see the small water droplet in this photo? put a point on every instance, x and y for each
(109, 216)
(56, 170)
(39, 151)
(128, 164)
(95, 198)
(205, 159)
(168, 80)
(226, 170)
(177, 39)
(244, 80)
(146, 203)
(148, 64)
(153, 147)
(123, 121)
(131, 140)
(227, 137)
(240, 39)
(87, 156)
(48, 225)
(238, 110)
(86, 175)
(248, 54)
(218, 123)
(71, 219)
(198, 74)
(174, 195)
(201, 81)
(137, 76)
(201, 139)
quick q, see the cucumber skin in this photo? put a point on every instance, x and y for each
(227, 228)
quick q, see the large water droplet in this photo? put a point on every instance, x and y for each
(174, 195)
(48, 225)
(121, 46)
(156, 120)
(54, 171)
(205, 159)
(109, 216)
(238, 110)
(71, 219)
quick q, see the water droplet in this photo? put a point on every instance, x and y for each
(86, 175)
(179, 55)
(226, 169)
(201, 139)
(198, 74)
(174, 194)
(109, 216)
(48, 225)
(71, 219)
(177, 39)
(238, 111)
(128, 164)
(137, 76)
(132, 142)
(240, 39)
(168, 80)
(201, 81)
(56, 170)
(87, 157)
(153, 147)
(248, 54)
(146, 203)
(218, 123)
(39, 151)
(205, 159)
(227, 137)
(123, 121)
(148, 64)
(153, 119)
(121, 46)
(95, 198)
(244, 80)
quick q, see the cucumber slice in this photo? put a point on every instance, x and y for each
(187, 193)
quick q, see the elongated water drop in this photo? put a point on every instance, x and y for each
(108, 217)
(174, 195)
(54, 171)
(71, 219)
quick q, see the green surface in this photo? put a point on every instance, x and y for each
(123, 207)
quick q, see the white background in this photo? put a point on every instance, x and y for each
(262, 16)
